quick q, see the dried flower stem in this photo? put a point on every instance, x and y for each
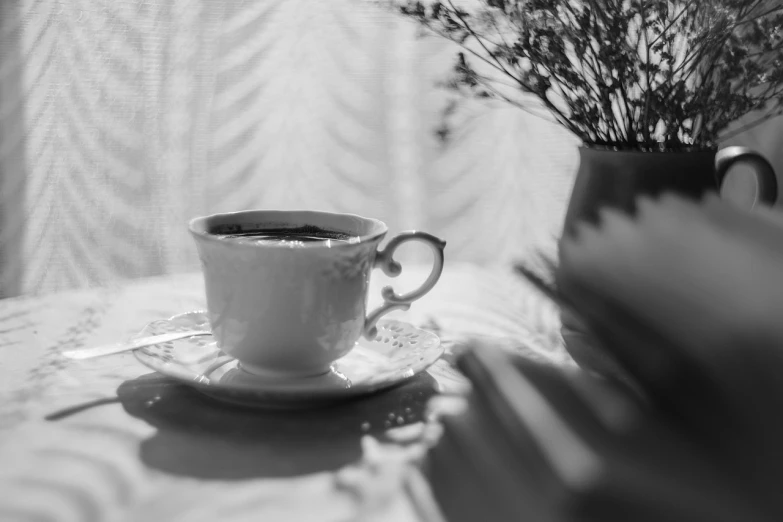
(632, 73)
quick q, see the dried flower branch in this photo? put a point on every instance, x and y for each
(643, 74)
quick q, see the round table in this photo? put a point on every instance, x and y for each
(108, 439)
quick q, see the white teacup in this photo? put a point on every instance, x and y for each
(291, 308)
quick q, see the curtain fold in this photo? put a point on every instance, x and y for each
(12, 150)
(121, 120)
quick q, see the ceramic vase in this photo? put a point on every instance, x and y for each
(616, 178)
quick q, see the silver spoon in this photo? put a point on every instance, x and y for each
(141, 342)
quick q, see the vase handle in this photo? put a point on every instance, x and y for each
(767, 183)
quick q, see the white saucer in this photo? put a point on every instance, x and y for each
(399, 352)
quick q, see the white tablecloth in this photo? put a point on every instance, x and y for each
(151, 450)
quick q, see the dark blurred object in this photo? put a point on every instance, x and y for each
(616, 178)
(685, 297)
(536, 443)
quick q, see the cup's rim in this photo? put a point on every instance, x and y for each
(380, 227)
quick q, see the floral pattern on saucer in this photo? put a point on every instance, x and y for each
(399, 352)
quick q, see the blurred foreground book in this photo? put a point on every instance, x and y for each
(687, 299)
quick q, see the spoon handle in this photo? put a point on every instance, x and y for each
(135, 344)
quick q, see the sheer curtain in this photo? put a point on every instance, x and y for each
(120, 120)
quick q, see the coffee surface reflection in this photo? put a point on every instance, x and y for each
(290, 239)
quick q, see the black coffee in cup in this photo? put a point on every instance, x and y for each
(288, 237)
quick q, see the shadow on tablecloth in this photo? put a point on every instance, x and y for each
(201, 437)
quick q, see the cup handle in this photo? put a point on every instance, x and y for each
(765, 175)
(384, 259)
